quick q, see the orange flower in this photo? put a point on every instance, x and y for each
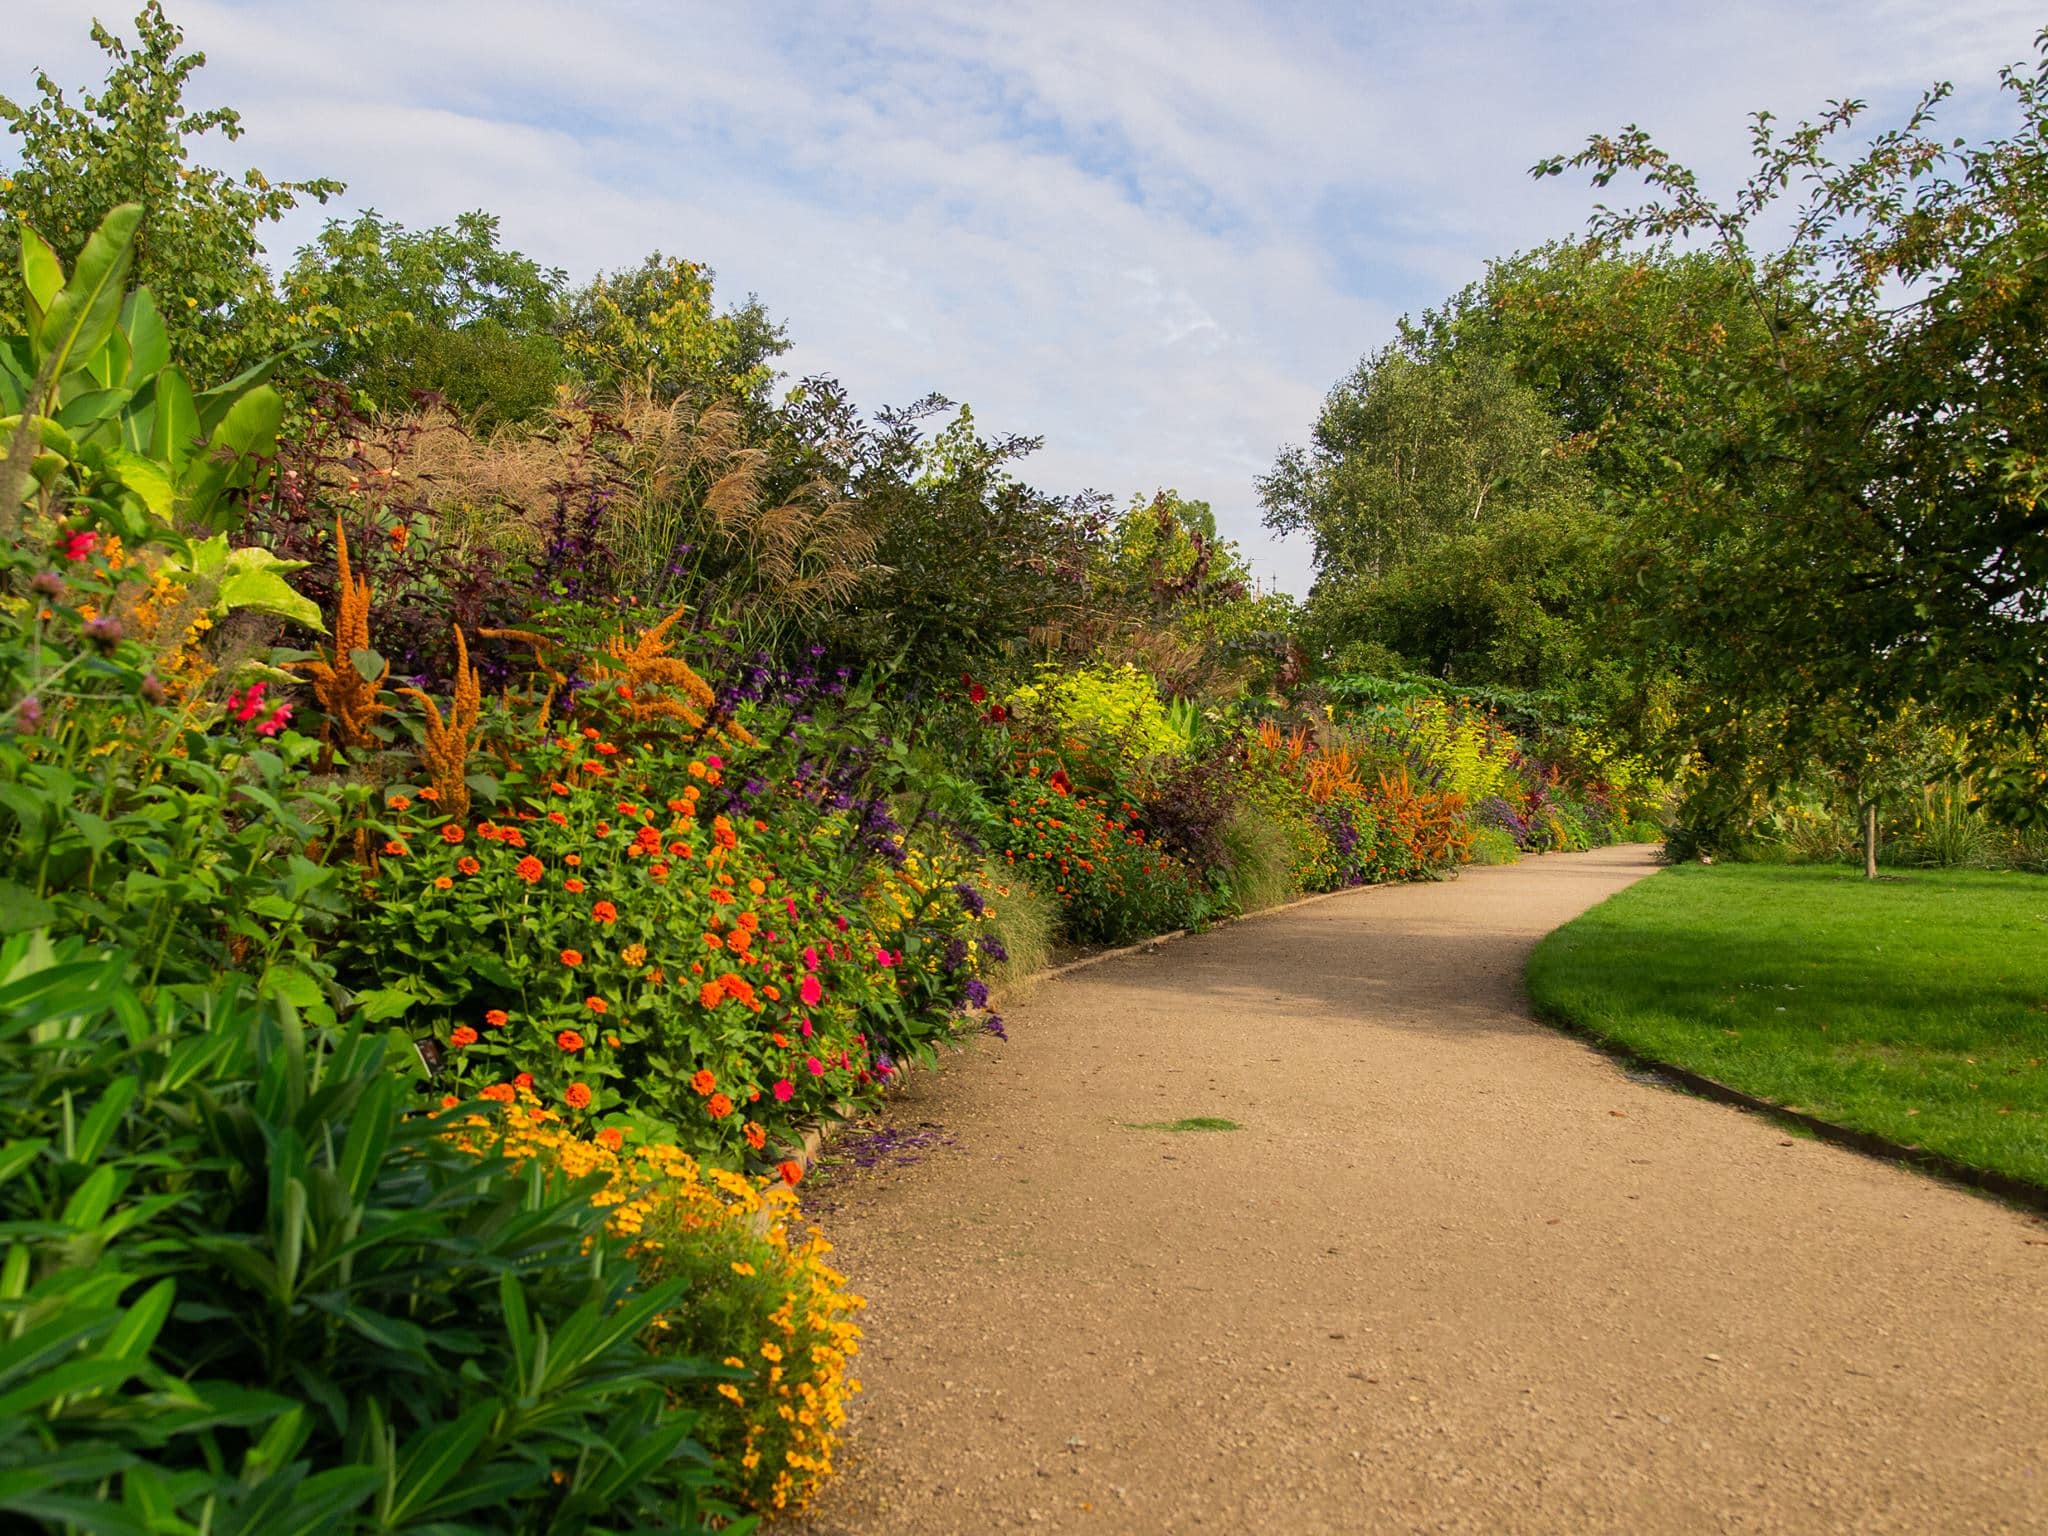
(710, 994)
(756, 887)
(605, 912)
(462, 1035)
(739, 941)
(529, 869)
(430, 794)
(559, 788)
(677, 807)
(500, 1093)
(523, 1080)
(572, 957)
(792, 1172)
(398, 802)
(449, 1101)
(573, 860)
(558, 818)
(578, 1096)
(719, 1105)
(574, 886)
(604, 829)
(633, 954)
(395, 849)
(714, 940)
(612, 1041)
(569, 1041)
(596, 1004)
(780, 1039)
(466, 865)
(497, 1018)
(611, 1137)
(443, 883)
(451, 833)
(703, 1082)
(748, 920)
(756, 1137)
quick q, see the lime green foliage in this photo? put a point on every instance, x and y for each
(1914, 1009)
(77, 161)
(1114, 706)
(1191, 1123)
(1474, 753)
(1490, 845)
(654, 325)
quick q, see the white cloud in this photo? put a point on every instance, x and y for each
(1153, 233)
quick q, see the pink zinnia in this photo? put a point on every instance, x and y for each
(884, 958)
(785, 1090)
(80, 544)
(811, 992)
(804, 1028)
(810, 958)
(817, 1067)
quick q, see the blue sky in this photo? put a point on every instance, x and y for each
(1154, 234)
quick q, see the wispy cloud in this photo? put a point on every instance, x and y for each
(1153, 233)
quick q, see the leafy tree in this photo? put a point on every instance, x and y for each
(134, 142)
(1409, 450)
(655, 325)
(446, 310)
(1855, 513)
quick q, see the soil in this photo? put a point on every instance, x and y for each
(1456, 1272)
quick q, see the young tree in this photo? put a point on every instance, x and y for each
(198, 250)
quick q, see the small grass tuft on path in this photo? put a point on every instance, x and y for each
(1192, 1123)
(1914, 1009)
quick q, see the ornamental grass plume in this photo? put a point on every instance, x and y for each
(446, 752)
(648, 664)
(349, 698)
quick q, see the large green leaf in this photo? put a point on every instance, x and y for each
(254, 578)
(83, 314)
(149, 344)
(174, 432)
(42, 273)
(245, 438)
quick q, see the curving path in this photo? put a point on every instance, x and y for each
(1456, 1272)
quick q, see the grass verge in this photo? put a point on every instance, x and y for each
(1914, 1009)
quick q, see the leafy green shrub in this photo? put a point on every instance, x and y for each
(1111, 883)
(245, 1291)
(1117, 708)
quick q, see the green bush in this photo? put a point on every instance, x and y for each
(1491, 845)
(245, 1291)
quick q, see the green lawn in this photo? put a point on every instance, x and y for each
(1915, 1008)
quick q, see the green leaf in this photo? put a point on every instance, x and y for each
(140, 1324)
(149, 345)
(148, 479)
(369, 664)
(42, 273)
(385, 1003)
(254, 578)
(99, 1126)
(175, 431)
(21, 908)
(84, 312)
(432, 1460)
(235, 453)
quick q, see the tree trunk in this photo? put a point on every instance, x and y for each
(1870, 841)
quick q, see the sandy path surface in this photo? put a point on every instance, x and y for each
(1455, 1273)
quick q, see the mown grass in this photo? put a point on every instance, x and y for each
(1914, 1008)
(1191, 1123)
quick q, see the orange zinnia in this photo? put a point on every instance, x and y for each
(500, 1093)
(703, 1082)
(611, 1137)
(756, 1137)
(792, 1172)
(462, 1035)
(719, 1105)
(578, 1096)
(467, 865)
(596, 1004)
(569, 1041)
(574, 886)
(605, 912)
(497, 1018)
(443, 883)
(451, 833)
(572, 957)
(529, 869)
(710, 995)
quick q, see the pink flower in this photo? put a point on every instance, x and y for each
(817, 1067)
(811, 992)
(841, 921)
(810, 959)
(279, 719)
(247, 706)
(80, 544)
(804, 1028)
(785, 1090)
(714, 762)
(884, 958)
(789, 905)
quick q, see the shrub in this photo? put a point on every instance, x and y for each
(1116, 708)
(1111, 882)
(246, 1291)
(1490, 845)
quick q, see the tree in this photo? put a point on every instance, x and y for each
(655, 325)
(1854, 512)
(134, 142)
(446, 310)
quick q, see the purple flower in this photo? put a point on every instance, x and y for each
(971, 899)
(976, 992)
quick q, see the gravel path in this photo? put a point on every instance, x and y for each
(1455, 1273)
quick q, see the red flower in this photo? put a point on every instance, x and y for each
(976, 692)
(497, 1018)
(574, 886)
(605, 912)
(792, 1172)
(80, 544)
(462, 1035)
(523, 1080)
(596, 1004)
(572, 957)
